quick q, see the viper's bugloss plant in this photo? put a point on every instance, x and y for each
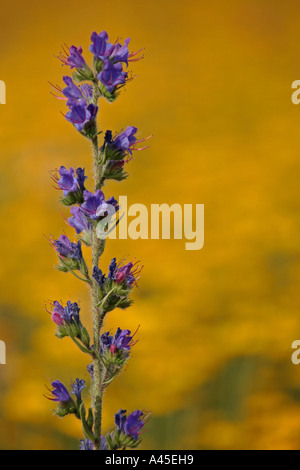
(91, 216)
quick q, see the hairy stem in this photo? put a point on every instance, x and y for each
(97, 250)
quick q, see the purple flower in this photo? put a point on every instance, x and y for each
(81, 113)
(95, 206)
(72, 92)
(120, 419)
(86, 444)
(73, 57)
(134, 424)
(126, 140)
(76, 93)
(121, 342)
(79, 220)
(92, 203)
(87, 91)
(67, 314)
(80, 176)
(59, 392)
(109, 207)
(130, 425)
(128, 273)
(100, 47)
(67, 181)
(77, 388)
(116, 52)
(120, 53)
(108, 137)
(125, 273)
(113, 202)
(103, 443)
(98, 275)
(112, 269)
(57, 314)
(112, 75)
(71, 312)
(66, 248)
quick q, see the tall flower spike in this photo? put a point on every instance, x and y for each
(90, 216)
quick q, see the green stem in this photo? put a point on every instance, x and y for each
(73, 272)
(97, 250)
(81, 347)
(79, 277)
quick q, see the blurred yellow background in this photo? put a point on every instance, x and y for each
(213, 361)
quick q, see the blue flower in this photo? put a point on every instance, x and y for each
(98, 275)
(86, 444)
(87, 91)
(72, 92)
(76, 93)
(95, 206)
(81, 113)
(120, 419)
(120, 53)
(134, 424)
(121, 342)
(77, 388)
(66, 314)
(79, 220)
(71, 312)
(67, 249)
(112, 269)
(67, 181)
(121, 145)
(130, 425)
(126, 140)
(59, 392)
(103, 443)
(80, 177)
(116, 52)
(73, 57)
(112, 75)
(92, 203)
(128, 273)
(100, 47)
(58, 313)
